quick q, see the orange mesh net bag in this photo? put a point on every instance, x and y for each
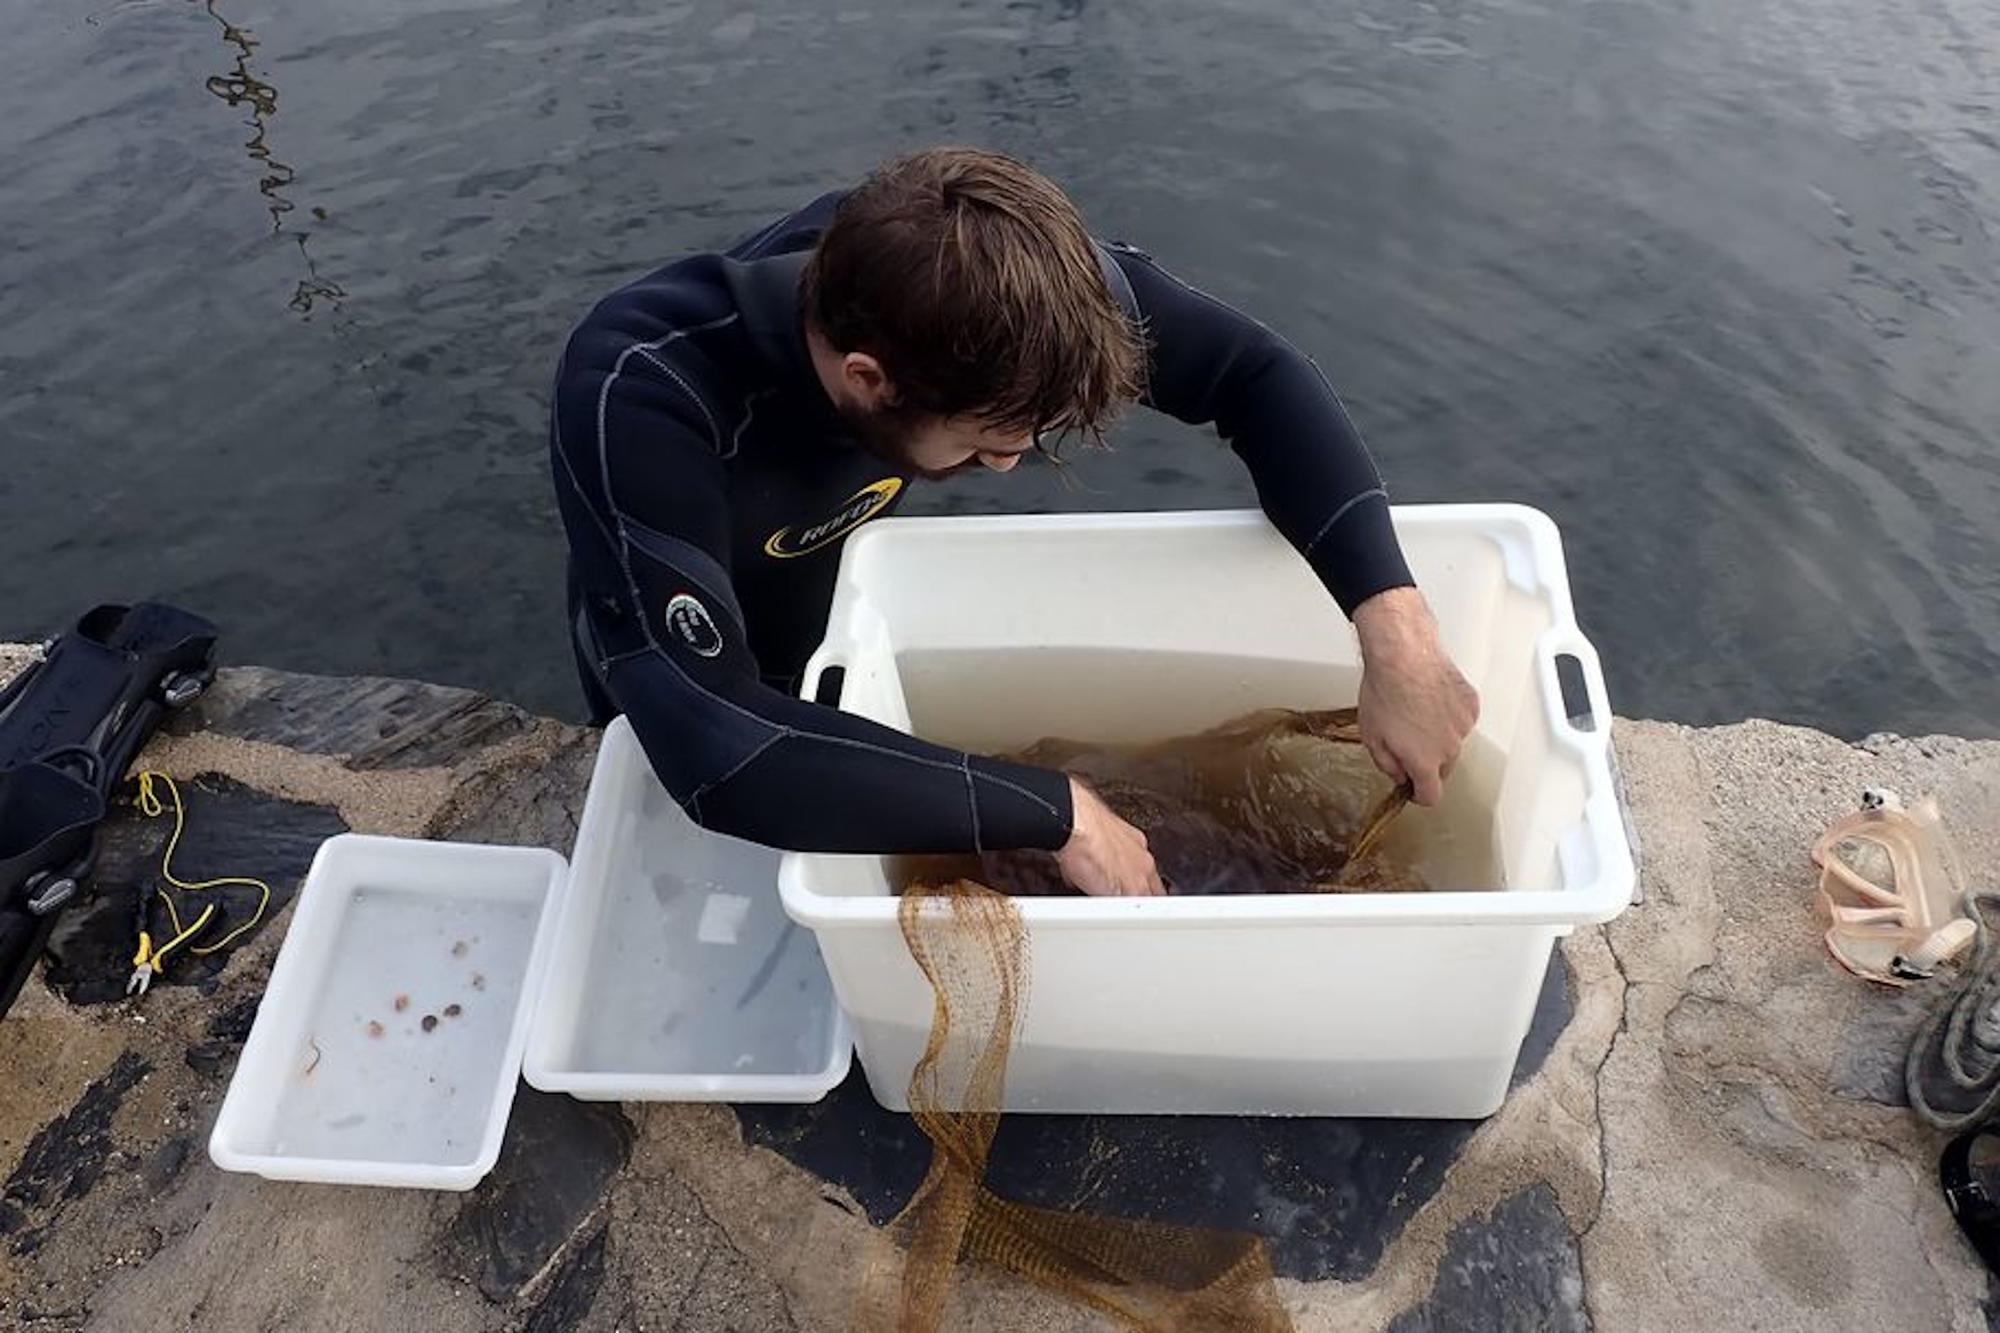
(972, 946)
(1303, 788)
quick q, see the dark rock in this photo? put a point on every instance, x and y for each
(555, 1164)
(1554, 1008)
(1516, 1268)
(233, 1024)
(65, 1159)
(231, 830)
(35, 1314)
(210, 1058)
(166, 1162)
(375, 723)
(573, 1290)
(1875, 1040)
(538, 806)
(879, 1157)
(1328, 1195)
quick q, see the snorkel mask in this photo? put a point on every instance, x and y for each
(1892, 890)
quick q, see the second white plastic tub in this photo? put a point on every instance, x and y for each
(387, 1046)
(990, 633)
(675, 974)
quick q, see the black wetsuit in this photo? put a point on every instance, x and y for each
(707, 483)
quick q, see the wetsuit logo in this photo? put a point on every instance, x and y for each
(857, 509)
(688, 621)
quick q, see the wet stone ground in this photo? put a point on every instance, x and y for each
(1701, 1048)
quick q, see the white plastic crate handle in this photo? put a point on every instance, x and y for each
(1602, 837)
(826, 658)
(1568, 641)
(856, 629)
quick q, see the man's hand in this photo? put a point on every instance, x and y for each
(1416, 707)
(1105, 856)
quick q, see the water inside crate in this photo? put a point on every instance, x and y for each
(372, 1079)
(694, 967)
(1235, 797)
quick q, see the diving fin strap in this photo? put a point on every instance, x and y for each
(1971, 1204)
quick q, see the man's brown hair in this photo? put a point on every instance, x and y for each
(970, 277)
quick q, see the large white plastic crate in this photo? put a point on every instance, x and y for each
(990, 633)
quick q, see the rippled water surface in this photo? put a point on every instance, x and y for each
(1713, 283)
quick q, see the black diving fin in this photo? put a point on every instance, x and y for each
(70, 725)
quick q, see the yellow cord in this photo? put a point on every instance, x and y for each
(158, 957)
(149, 805)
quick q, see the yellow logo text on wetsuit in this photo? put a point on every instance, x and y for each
(857, 509)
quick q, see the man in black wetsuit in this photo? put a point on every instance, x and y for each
(721, 425)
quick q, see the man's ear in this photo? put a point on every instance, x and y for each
(867, 380)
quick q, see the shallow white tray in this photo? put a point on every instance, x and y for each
(675, 973)
(339, 1084)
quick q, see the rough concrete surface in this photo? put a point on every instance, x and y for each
(1714, 1130)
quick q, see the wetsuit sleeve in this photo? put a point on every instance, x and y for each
(1314, 477)
(740, 757)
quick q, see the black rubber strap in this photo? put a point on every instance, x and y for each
(1977, 1213)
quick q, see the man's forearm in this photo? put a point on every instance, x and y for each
(1392, 622)
(1313, 473)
